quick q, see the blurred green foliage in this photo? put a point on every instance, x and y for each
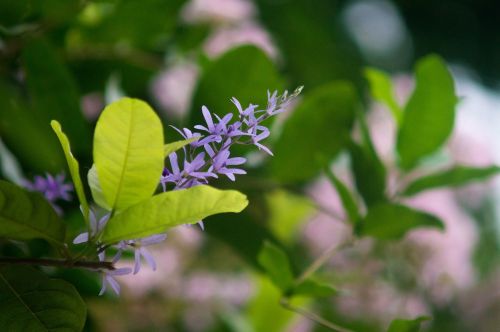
(54, 52)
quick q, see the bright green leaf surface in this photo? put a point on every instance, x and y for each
(454, 177)
(29, 301)
(314, 288)
(95, 188)
(317, 130)
(54, 92)
(407, 325)
(429, 115)
(174, 146)
(389, 221)
(348, 201)
(381, 90)
(25, 215)
(275, 262)
(170, 209)
(74, 168)
(128, 152)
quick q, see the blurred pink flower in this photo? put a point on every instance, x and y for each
(380, 302)
(225, 38)
(92, 104)
(447, 263)
(173, 88)
(217, 11)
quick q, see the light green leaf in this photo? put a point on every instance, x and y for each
(96, 189)
(313, 288)
(316, 131)
(29, 301)
(275, 262)
(169, 209)
(454, 177)
(128, 152)
(74, 168)
(407, 325)
(429, 115)
(381, 90)
(27, 215)
(388, 221)
(174, 146)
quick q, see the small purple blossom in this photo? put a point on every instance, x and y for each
(108, 279)
(140, 250)
(53, 188)
(95, 227)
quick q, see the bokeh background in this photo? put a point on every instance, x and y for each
(67, 59)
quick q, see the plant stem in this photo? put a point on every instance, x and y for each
(322, 259)
(313, 317)
(94, 265)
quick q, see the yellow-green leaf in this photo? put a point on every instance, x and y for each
(74, 168)
(95, 188)
(169, 209)
(429, 115)
(381, 90)
(128, 152)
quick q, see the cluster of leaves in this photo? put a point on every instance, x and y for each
(129, 155)
(325, 117)
(56, 51)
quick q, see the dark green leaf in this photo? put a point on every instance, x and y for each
(348, 200)
(136, 24)
(54, 92)
(381, 90)
(312, 38)
(29, 301)
(407, 325)
(25, 215)
(244, 72)
(314, 288)
(429, 115)
(275, 262)
(317, 130)
(454, 177)
(369, 174)
(28, 137)
(388, 221)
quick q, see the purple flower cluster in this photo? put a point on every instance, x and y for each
(210, 155)
(207, 157)
(53, 188)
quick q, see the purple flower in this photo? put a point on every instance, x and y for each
(217, 136)
(108, 278)
(53, 188)
(95, 227)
